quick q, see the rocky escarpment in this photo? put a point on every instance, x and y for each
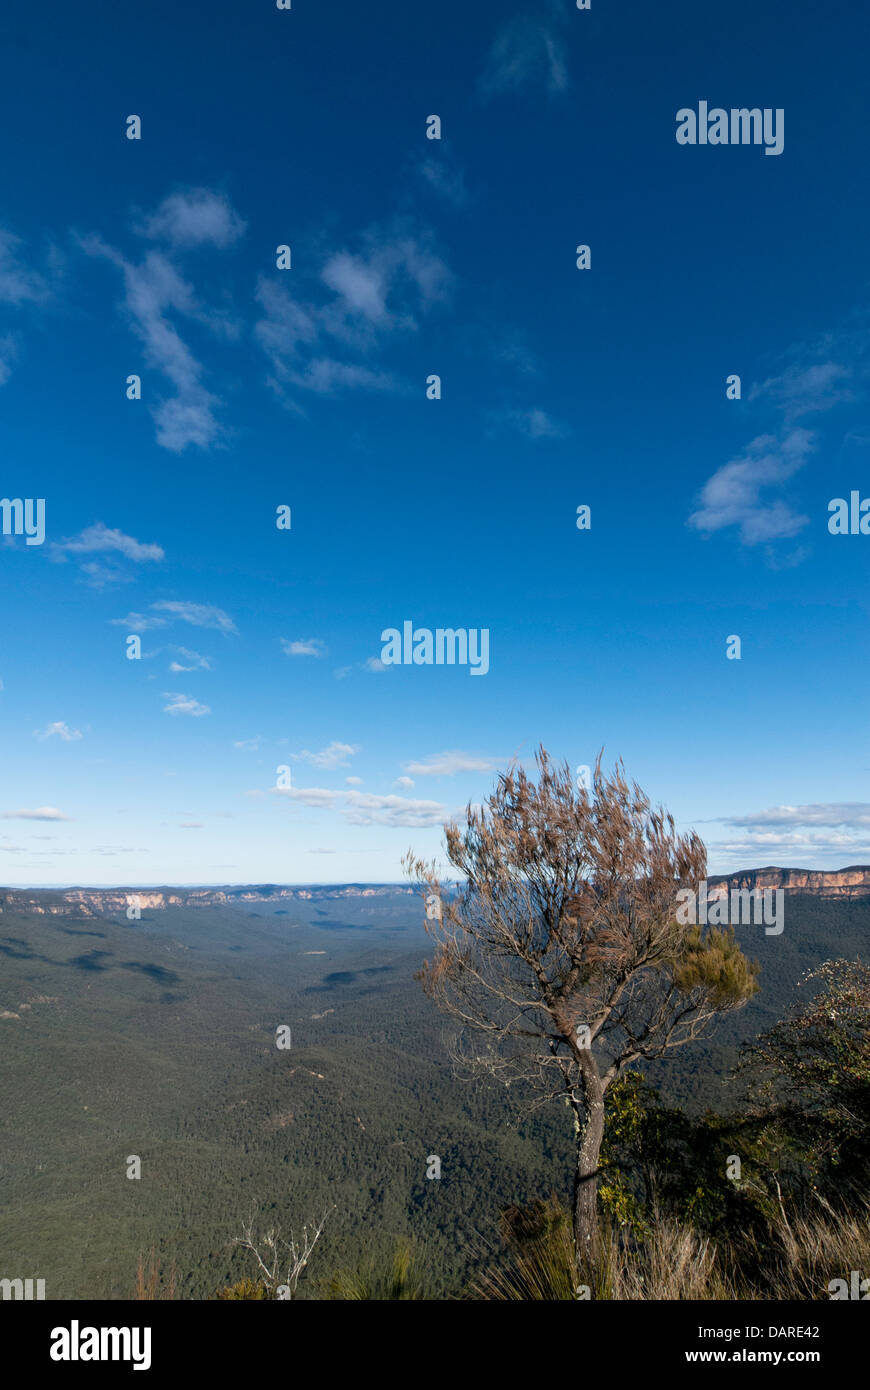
(853, 882)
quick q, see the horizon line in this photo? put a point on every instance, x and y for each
(355, 882)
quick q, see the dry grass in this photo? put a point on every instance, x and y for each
(811, 1251)
(676, 1263)
(673, 1264)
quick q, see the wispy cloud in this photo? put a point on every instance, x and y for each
(21, 287)
(364, 808)
(533, 424)
(795, 836)
(195, 662)
(527, 52)
(198, 614)
(171, 610)
(100, 539)
(19, 283)
(309, 796)
(184, 704)
(309, 646)
(195, 217)
(139, 622)
(335, 755)
(449, 764)
(805, 390)
(738, 494)
(41, 813)
(155, 290)
(59, 730)
(445, 179)
(816, 813)
(324, 343)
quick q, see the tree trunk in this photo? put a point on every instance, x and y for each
(590, 1133)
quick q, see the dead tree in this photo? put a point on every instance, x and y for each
(274, 1255)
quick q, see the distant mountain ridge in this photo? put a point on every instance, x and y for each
(96, 902)
(851, 882)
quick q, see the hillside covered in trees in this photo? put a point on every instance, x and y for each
(157, 1039)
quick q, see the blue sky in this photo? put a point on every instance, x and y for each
(306, 387)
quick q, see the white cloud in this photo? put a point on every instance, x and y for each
(806, 390)
(41, 813)
(448, 764)
(197, 217)
(833, 833)
(525, 53)
(534, 424)
(354, 781)
(192, 421)
(365, 809)
(310, 646)
(791, 849)
(18, 283)
(361, 284)
(444, 179)
(184, 704)
(733, 495)
(62, 730)
(817, 813)
(197, 614)
(250, 745)
(406, 783)
(154, 289)
(335, 755)
(139, 622)
(374, 664)
(100, 537)
(325, 375)
(20, 286)
(196, 662)
(316, 344)
(309, 796)
(103, 540)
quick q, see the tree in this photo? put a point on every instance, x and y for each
(560, 946)
(810, 1076)
(273, 1254)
